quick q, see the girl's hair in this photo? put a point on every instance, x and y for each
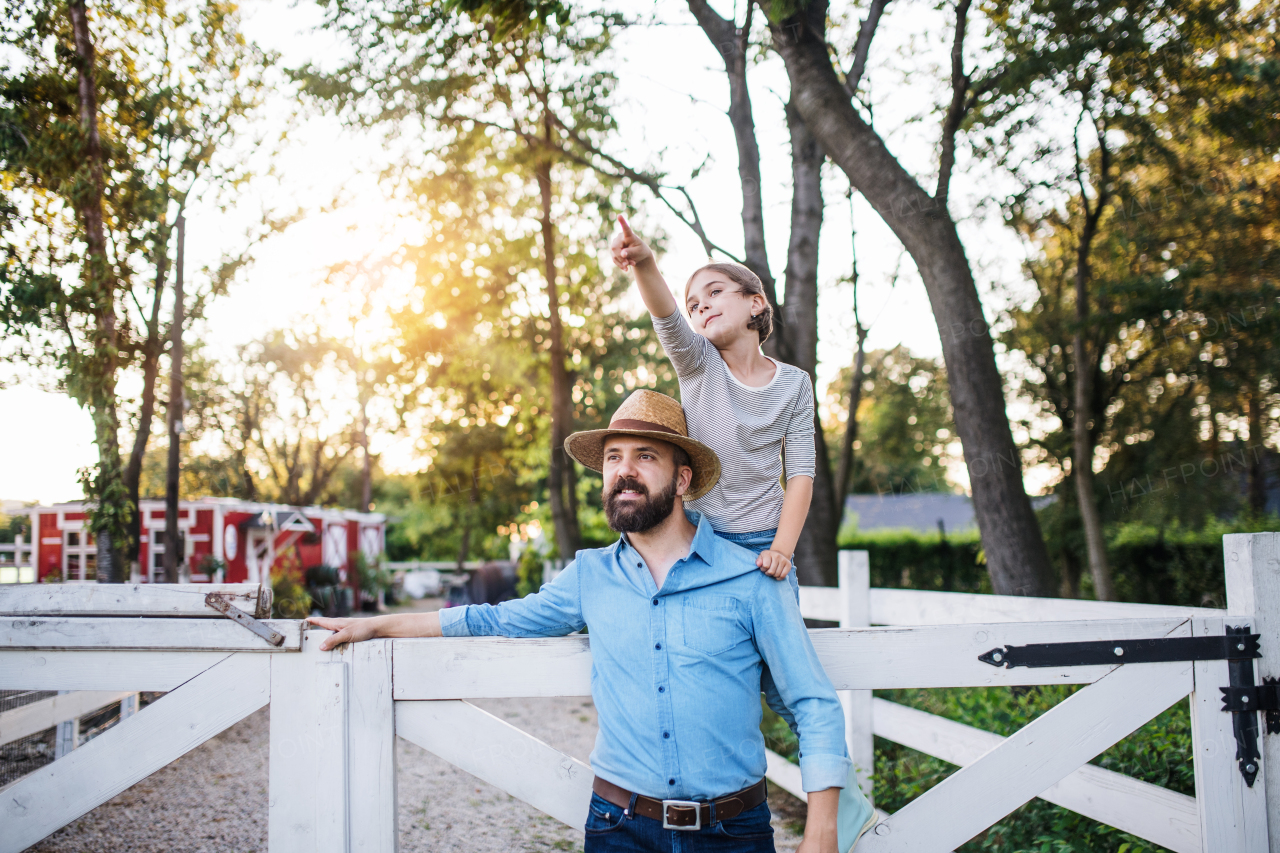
(750, 284)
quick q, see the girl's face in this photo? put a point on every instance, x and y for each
(718, 308)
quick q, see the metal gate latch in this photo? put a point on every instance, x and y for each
(1237, 647)
(220, 603)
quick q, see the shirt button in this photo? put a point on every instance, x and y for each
(671, 781)
(662, 690)
(655, 602)
(639, 565)
(658, 646)
(666, 734)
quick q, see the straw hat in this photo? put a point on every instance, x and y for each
(650, 415)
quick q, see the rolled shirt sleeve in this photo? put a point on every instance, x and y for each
(803, 684)
(801, 453)
(553, 611)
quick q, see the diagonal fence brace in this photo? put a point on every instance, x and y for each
(1243, 699)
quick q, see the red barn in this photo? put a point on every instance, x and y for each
(239, 540)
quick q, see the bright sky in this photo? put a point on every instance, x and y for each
(674, 95)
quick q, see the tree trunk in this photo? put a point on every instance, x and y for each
(464, 548)
(175, 567)
(1258, 453)
(816, 548)
(568, 535)
(151, 350)
(366, 471)
(1016, 556)
(731, 42)
(94, 377)
(851, 424)
(1086, 367)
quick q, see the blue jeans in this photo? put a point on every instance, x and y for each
(608, 830)
(760, 541)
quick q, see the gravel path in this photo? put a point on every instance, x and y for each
(214, 799)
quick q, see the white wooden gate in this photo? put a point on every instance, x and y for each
(335, 715)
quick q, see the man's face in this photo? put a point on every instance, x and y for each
(641, 482)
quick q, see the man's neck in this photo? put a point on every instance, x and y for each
(663, 545)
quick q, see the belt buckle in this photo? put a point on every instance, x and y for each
(683, 804)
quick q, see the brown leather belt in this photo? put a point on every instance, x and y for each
(684, 814)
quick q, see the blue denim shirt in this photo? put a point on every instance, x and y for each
(676, 671)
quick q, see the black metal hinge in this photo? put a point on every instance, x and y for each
(1238, 648)
(1102, 652)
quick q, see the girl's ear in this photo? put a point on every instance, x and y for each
(757, 304)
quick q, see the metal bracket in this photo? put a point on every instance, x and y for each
(1104, 652)
(220, 603)
(1244, 723)
(1258, 698)
(1237, 647)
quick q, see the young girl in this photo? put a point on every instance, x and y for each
(745, 406)
(751, 410)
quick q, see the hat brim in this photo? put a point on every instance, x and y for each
(588, 448)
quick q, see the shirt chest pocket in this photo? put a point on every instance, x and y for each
(712, 624)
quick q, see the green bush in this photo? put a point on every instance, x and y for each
(907, 559)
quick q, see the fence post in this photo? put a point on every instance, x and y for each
(308, 772)
(855, 612)
(371, 750)
(1252, 562)
(68, 735)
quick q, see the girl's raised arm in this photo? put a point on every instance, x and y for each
(630, 252)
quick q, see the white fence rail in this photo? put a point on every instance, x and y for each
(336, 714)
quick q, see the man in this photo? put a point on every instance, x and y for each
(681, 623)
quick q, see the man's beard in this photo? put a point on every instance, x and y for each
(637, 516)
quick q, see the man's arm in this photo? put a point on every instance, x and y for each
(392, 625)
(553, 611)
(803, 685)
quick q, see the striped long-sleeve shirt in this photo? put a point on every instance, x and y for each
(745, 426)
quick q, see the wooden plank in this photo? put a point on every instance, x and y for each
(102, 632)
(58, 793)
(102, 670)
(47, 713)
(1252, 563)
(927, 607)
(855, 659)
(500, 754)
(855, 585)
(1033, 759)
(112, 599)
(371, 752)
(487, 667)
(1157, 814)
(308, 773)
(1233, 816)
(821, 602)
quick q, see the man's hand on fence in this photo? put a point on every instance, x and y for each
(348, 630)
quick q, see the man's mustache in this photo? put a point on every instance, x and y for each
(623, 484)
